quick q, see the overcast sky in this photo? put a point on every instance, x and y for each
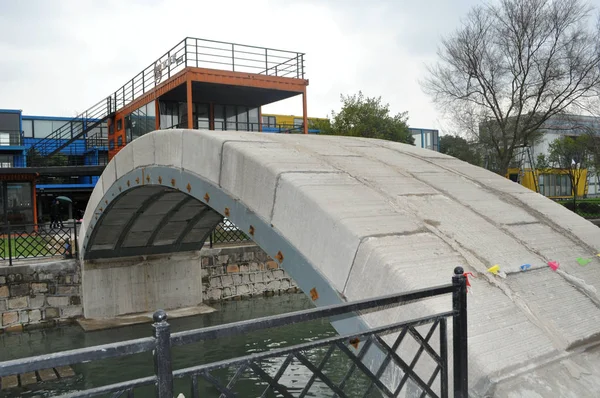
(60, 57)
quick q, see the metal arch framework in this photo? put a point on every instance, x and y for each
(119, 250)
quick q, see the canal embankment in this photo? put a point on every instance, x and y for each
(40, 293)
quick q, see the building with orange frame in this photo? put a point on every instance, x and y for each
(201, 84)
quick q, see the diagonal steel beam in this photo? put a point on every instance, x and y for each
(144, 206)
(167, 217)
(191, 224)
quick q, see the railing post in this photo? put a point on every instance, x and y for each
(162, 355)
(75, 250)
(459, 338)
(232, 57)
(9, 243)
(266, 62)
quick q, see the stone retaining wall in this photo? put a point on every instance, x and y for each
(39, 295)
(242, 271)
(44, 293)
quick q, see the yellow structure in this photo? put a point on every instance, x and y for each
(552, 183)
(273, 120)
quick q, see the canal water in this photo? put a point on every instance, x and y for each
(140, 365)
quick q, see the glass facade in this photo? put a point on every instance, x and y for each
(28, 128)
(16, 201)
(225, 117)
(268, 121)
(140, 122)
(169, 114)
(6, 161)
(42, 127)
(233, 117)
(425, 138)
(555, 185)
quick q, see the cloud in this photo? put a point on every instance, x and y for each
(63, 56)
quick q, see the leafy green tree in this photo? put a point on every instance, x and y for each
(571, 154)
(460, 148)
(541, 162)
(368, 117)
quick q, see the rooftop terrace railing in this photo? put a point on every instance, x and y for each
(200, 53)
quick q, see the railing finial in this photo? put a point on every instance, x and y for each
(160, 316)
(459, 270)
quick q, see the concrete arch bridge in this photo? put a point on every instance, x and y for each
(352, 218)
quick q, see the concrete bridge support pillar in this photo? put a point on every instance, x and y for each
(129, 285)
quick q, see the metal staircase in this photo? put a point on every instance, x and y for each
(69, 132)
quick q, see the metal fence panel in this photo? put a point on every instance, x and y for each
(314, 356)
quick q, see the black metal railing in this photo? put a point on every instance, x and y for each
(226, 232)
(37, 240)
(385, 341)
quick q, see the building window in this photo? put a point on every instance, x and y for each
(111, 129)
(119, 124)
(553, 185)
(42, 128)
(4, 139)
(6, 161)
(253, 119)
(240, 118)
(19, 205)
(219, 117)
(202, 115)
(142, 121)
(28, 128)
(268, 121)
(120, 141)
(231, 116)
(111, 145)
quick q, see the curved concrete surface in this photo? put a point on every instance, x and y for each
(368, 217)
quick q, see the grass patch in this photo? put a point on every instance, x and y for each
(32, 246)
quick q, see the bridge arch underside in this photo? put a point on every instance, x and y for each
(148, 220)
(352, 218)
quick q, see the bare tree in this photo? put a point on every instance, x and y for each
(513, 65)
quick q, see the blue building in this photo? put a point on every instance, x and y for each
(64, 173)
